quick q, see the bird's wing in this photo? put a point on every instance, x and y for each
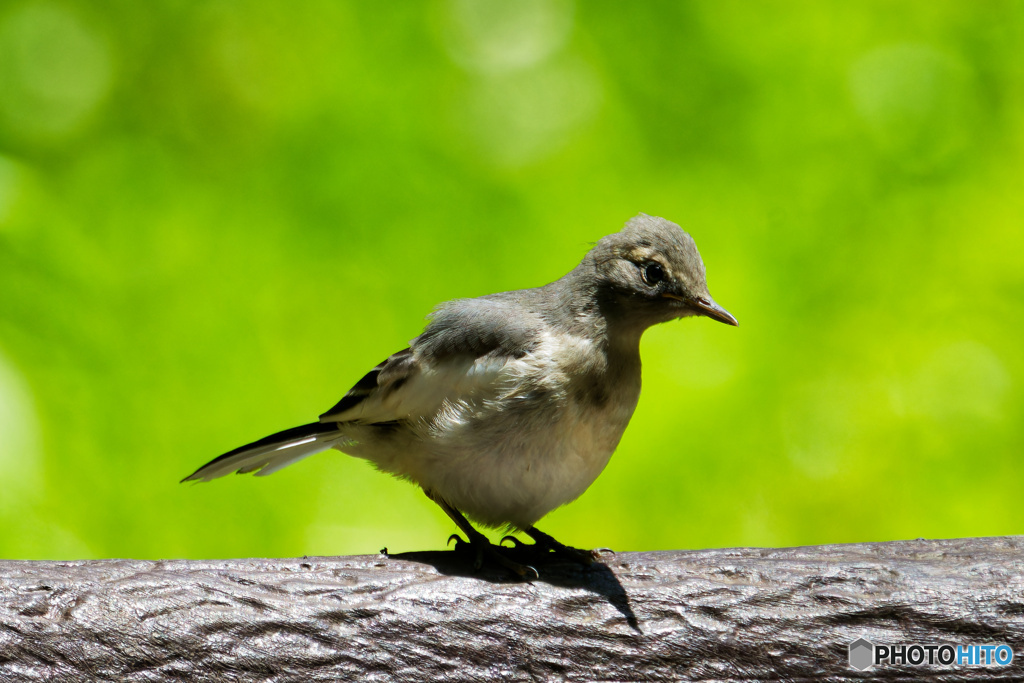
(462, 351)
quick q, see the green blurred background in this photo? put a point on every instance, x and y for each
(216, 216)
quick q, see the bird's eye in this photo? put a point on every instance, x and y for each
(653, 273)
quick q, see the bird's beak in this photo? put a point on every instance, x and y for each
(705, 305)
(708, 307)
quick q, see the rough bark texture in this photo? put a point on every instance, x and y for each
(733, 614)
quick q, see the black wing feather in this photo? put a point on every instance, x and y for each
(292, 434)
(382, 375)
(479, 327)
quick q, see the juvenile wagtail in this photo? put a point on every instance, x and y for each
(509, 405)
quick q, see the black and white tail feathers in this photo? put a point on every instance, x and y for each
(271, 453)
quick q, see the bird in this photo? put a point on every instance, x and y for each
(509, 405)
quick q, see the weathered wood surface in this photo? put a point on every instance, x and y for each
(734, 614)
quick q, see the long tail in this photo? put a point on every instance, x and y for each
(272, 453)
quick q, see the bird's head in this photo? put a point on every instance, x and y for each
(651, 272)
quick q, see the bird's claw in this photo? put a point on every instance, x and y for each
(534, 575)
(516, 543)
(545, 546)
(523, 571)
(484, 549)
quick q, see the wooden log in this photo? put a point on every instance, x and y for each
(731, 614)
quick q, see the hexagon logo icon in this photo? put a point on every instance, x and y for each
(862, 654)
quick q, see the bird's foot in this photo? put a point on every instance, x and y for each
(545, 545)
(485, 550)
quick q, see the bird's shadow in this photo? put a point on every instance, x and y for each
(597, 577)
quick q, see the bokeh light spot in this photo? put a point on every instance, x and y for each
(915, 101)
(494, 36)
(524, 117)
(19, 440)
(964, 380)
(55, 70)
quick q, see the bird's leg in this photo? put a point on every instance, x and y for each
(479, 542)
(545, 543)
